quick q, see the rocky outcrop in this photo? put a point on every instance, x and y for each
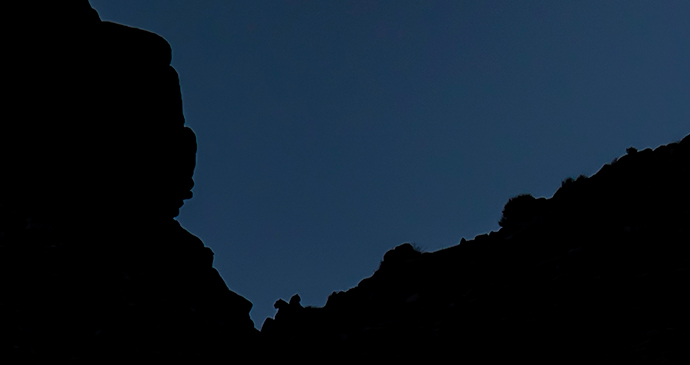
(94, 269)
(92, 105)
(96, 163)
(598, 273)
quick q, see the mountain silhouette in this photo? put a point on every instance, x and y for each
(598, 273)
(94, 268)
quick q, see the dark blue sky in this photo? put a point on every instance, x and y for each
(332, 131)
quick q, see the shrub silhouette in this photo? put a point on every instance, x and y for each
(567, 182)
(518, 209)
(417, 247)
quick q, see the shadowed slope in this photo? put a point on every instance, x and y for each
(596, 274)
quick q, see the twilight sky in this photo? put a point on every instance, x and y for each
(332, 131)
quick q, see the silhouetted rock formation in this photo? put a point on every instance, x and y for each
(96, 163)
(94, 269)
(93, 104)
(599, 273)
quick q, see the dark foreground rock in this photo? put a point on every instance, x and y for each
(93, 117)
(102, 296)
(599, 273)
(96, 162)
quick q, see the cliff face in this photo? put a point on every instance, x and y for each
(599, 273)
(92, 105)
(94, 269)
(96, 163)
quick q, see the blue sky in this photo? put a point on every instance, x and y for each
(332, 131)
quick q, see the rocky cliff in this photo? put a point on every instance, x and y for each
(94, 269)
(96, 163)
(598, 273)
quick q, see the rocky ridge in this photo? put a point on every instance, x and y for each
(598, 273)
(94, 268)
